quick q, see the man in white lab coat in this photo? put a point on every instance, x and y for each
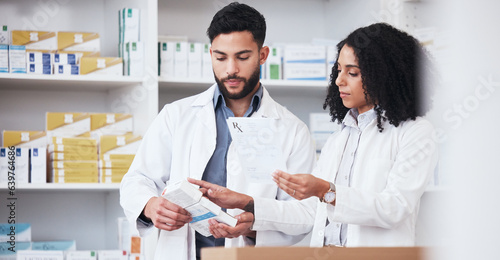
(190, 138)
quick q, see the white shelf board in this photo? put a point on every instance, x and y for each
(14, 81)
(64, 186)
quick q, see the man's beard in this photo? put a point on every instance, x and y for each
(247, 88)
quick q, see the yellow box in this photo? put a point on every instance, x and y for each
(25, 138)
(79, 149)
(101, 66)
(76, 179)
(67, 124)
(74, 165)
(74, 141)
(110, 178)
(78, 41)
(70, 156)
(35, 40)
(110, 124)
(119, 146)
(74, 172)
(115, 164)
(112, 171)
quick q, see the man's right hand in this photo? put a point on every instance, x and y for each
(165, 214)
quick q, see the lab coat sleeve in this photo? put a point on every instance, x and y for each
(148, 172)
(408, 177)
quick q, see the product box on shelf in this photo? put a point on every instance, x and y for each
(74, 175)
(274, 64)
(128, 238)
(66, 69)
(4, 35)
(22, 232)
(40, 254)
(304, 62)
(17, 59)
(81, 255)
(207, 71)
(39, 57)
(195, 60)
(24, 138)
(22, 165)
(64, 58)
(61, 245)
(4, 58)
(331, 58)
(134, 59)
(110, 145)
(79, 42)
(6, 254)
(72, 156)
(110, 124)
(88, 148)
(67, 124)
(111, 175)
(181, 59)
(38, 68)
(129, 25)
(35, 40)
(101, 66)
(66, 142)
(112, 255)
(38, 164)
(166, 58)
(74, 165)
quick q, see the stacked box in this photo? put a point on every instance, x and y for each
(195, 60)
(86, 43)
(69, 124)
(181, 60)
(81, 255)
(133, 59)
(40, 255)
(67, 63)
(4, 35)
(101, 66)
(166, 58)
(112, 255)
(21, 164)
(110, 124)
(17, 59)
(73, 160)
(304, 62)
(35, 40)
(207, 71)
(116, 153)
(130, 47)
(39, 62)
(4, 58)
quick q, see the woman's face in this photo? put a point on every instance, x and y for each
(349, 81)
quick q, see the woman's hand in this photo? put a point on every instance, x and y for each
(242, 228)
(301, 186)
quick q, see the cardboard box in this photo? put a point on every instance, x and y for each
(4, 35)
(35, 40)
(181, 60)
(123, 164)
(110, 124)
(72, 156)
(22, 232)
(39, 57)
(304, 62)
(167, 58)
(195, 60)
(37, 68)
(73, 175)
(75, 165)
(79, 149)
(302, 253)
(40, 255)
(74, 141)
(81, 255)
(134, 59)
(4, 58)
(66, 69)
(112, 255)
(38, 165)
(67, 124)
(118, 144)
(186, 195)
(6, 254)
(129, 25)
(54, 245)
(67, 58)
(4, 165)
(101, 66)
(22, 165)
(74, 179)
(25, 138)
(17, 59)
(78, 42)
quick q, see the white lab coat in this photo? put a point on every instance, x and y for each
(390, 174)
(179, 144)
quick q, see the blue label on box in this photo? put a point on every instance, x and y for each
(56, 57)
(35, 152)
(72, 59)
(2, 152)
(18, 151)
(203, 217)
(74, 70)
(32, 67)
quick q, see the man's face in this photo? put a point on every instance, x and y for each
(236, 61)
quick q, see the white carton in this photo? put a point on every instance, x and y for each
(110, 124)
(181, 60)
(201, 209)
(4, 35)
(8, 251)
(167, 58)
(39, 57)
(22, 165)
(38, 68)
(81, 255)
(129, 25)
(321, 127)
(101, 66)
(39, 255)
(112, 255)
(67, 58)
(21, 232)
(66, 69)
(134, 59)
(4, 58)
(17, 59)
(195, 60)
(304, 62)
(274, 64)
(61, 245)
(38, 170)
(207, 71)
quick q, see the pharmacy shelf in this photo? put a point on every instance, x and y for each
(65, 82)
(65, 187)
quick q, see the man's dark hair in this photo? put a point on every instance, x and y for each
(237, 17)
(395, 72)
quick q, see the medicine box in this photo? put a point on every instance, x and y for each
(129, 25)
(74, 176)
(66, 69)
(112, 255)
(181, 60)
(78, 42)
(80, 149)
(54, 245)
(35, 40)
(73, 141)
(71, 156)
(24, 138)
(81, 255)
(38, 164)
(20, 231)
(17, 59)
(67, 58)
(38, 68)
(40, 254)
(195, 60)
(118, 144)
(110, 124)
(274, 63)
(101, 66)
(67, 124)
(304, 62)
(4, 165)
(4, 35)
(331, 58)
(9, 252)
(207, 71)
(134, 59)
(39, 57)
(4, 58)
(167, 56)
(22, 165)
(187, 196)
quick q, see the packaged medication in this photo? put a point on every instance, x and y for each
(35, 40)
(274, 63)
(22, 165)
(74, 176)
(4, 35)
(207, 71)
(4, 58)
(73, 141)
(304, 62)
(81, 255)
(195, 60)
(110, 124)
(112, 255)
(67, 58)
(38, 57)
(38, 165)
(167, 56)
(38, 68)
(40, 254)
(66, 69)
(78, 42)
(6, 254)
(331, 58)
(24, 138)
(54, 245)
(101, 66)
(129, 25)
(134, 59)
(181, 60)
(22, 232)
(17, 59)
(68, 124)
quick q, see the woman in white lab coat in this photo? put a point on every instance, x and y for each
(372, 173)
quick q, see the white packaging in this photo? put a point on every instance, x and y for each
(187, 196)
(81, 255)
(39, 255)
(331, 58)
(38, 68)
(38, 171)
(4, 165)
(17, 59)
(135, 59)
(4, 36)
(129, 24)
(167, 59)
(22, 165)
(59, 245)
(4, 58)
(304, 62)
(274, 64)
(112, 255)
(20, 232)
(38, 57)
(195, 60)
(129, 239)
(67, 58)
(66, 69)
(9, 252)
(206, 67)
(181, 60)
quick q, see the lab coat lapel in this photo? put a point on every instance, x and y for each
(267, 106)
(204, 139)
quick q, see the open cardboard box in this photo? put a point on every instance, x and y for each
(312, 253)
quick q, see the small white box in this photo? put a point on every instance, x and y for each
(22, 165)
(110, 124)
(81, 255)
(195, 60)
(67, 58)
(167, 58)
(21, 232)
(274, 64)
(207, 71)
(17, 59)
(129, 24)
(304, 62)
(38, 173)
(9, 252)
(38, 57)
(39, 255)
(66, 69)
(38, 68)
(112, 255)
(4, 35)
(4, 58)
(5, 161)
(61, 245)
(181, 60)
(134, 59)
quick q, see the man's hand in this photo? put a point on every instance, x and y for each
(300, 186)
(242, 228)
(221, 196)
(165, 214)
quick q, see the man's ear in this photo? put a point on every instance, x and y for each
(264, 53)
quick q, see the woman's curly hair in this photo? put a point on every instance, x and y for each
(395, 72)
